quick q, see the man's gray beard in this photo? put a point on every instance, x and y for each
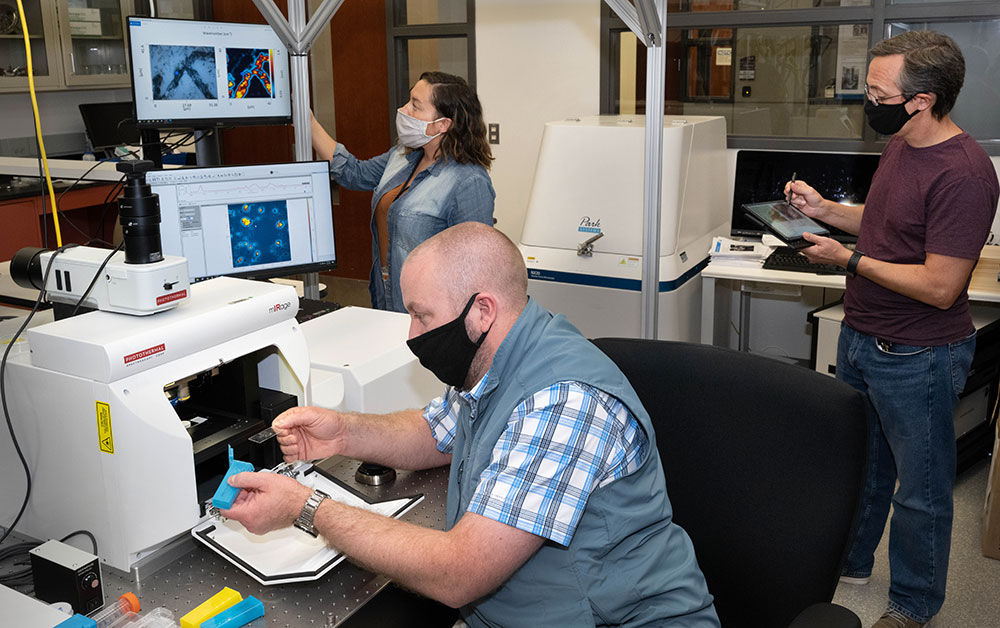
(476, 370)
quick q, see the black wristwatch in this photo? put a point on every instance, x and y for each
(852, 264)
(304, 521)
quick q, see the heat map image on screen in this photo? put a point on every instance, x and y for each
(259, 233)
(249, 73)
(182, 72)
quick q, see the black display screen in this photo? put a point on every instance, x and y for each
(761, 176)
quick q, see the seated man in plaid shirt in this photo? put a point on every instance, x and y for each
(557, 510)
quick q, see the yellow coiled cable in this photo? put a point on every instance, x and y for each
(38, 121)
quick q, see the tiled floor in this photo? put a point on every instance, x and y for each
(973, 596)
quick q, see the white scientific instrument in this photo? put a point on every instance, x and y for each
(125, 420)
(582, 236)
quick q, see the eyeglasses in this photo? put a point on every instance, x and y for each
(878, 100)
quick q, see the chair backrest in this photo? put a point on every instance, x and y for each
(764, 463)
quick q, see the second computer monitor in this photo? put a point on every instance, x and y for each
(761, 176)
(249, 221)
(193, 74)
(109, 124)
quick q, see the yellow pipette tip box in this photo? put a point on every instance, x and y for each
(211, 607)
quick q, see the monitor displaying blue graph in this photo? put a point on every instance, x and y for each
(269, 220)
(258, 233)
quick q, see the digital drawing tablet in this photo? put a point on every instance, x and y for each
(785, 221)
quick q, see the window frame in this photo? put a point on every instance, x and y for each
(878, 15)
(397, 54)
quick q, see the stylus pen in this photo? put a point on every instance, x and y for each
(788, 197)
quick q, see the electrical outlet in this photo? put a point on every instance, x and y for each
(494, 132)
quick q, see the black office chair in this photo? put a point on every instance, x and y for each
(765, 464)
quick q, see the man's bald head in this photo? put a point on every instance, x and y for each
(472, 257)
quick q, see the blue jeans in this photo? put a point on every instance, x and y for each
(912, 393)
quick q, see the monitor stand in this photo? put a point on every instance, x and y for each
(206, 147)
(152, 147)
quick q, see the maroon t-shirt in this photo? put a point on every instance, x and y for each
(940, 199)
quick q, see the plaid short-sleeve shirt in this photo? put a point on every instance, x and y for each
(559, 445)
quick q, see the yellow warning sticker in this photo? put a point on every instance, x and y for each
(105, 439)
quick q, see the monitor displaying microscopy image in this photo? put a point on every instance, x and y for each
(195, 75)
(182, 72)
(249, 73)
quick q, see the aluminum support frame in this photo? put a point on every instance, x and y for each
(656, 73)
(648, 20)
(299, 34)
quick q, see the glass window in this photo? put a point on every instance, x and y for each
(425, 35)
(410, 12)
(692, 6)
(449, 55)
(786, 81)
(979, 101)
(13, 61)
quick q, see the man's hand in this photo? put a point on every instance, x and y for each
(268, 501)
(310, 433)
(806, 199)
(825, 250)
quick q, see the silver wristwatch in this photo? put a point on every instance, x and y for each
(304, 521)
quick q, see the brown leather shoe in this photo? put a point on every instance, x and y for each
(894, 619)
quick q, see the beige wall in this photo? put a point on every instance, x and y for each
(536, 61)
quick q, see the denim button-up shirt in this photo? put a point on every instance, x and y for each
(443, 195)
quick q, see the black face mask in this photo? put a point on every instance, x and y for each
(888, 119)
(447, 351)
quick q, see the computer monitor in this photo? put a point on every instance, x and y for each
(761, 176)
(109, 124)
(255, 221)
(192, 74)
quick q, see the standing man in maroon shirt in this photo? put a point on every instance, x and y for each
(908, 338)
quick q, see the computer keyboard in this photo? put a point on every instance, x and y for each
(311, 308)
(786, 258)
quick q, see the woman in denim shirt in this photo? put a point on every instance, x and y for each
(433, 179)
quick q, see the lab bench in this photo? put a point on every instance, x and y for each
(189, 573)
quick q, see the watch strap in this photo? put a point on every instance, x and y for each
(306, 517)
(852, 264)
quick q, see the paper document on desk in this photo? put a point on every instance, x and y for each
(289, 554)
(738, 253)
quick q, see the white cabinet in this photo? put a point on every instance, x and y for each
(74, 44)
(43, 35)
(92, 35)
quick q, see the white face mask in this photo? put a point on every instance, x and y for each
(411, 131)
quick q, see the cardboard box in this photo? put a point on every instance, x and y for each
(84, 15)
(991, 510)
(85, 28)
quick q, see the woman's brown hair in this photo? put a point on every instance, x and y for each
(465, 141)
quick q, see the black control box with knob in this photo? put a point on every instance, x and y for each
(63, 573)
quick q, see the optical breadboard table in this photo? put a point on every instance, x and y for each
(190, 573)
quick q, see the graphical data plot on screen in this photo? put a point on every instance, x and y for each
(249, 73)
(261, 221)
(200, 74)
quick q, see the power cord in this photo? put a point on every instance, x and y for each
(97, 275)
(23, 577)
(38, 120)
(3, 390)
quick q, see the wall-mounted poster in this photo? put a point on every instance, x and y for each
(852, 50)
